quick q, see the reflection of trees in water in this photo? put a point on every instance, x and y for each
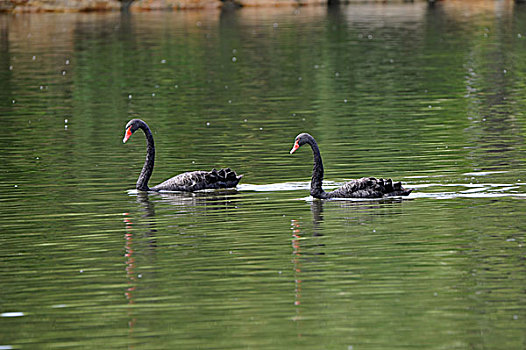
(491, 78)
(5, 65)
(491, 87)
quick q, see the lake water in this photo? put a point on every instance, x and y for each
(433, 96)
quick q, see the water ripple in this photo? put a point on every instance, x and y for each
(471, 190)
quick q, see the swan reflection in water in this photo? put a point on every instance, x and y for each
(148, 209)
(299, 234)
(185, 204)
(308, 244)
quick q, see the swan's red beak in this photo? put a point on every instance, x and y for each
(127, 135)
(295, 147)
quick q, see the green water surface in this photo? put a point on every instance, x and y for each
(433, 96)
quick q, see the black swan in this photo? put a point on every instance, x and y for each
(367, 187)
(190, 181)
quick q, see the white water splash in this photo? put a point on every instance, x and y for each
(12, 314)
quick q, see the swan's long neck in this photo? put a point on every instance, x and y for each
(147, 168)
(317, 172)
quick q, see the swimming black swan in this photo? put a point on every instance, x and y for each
(367, 187)
(190, 181)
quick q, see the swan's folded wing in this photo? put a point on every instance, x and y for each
(370, 187)
(200, 180)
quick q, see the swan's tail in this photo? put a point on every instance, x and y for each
(394, 188)
(223, 178)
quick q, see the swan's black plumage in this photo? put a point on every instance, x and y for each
(190, 181)
(367, 187)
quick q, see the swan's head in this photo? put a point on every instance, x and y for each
(300, 140)
(130, 128)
